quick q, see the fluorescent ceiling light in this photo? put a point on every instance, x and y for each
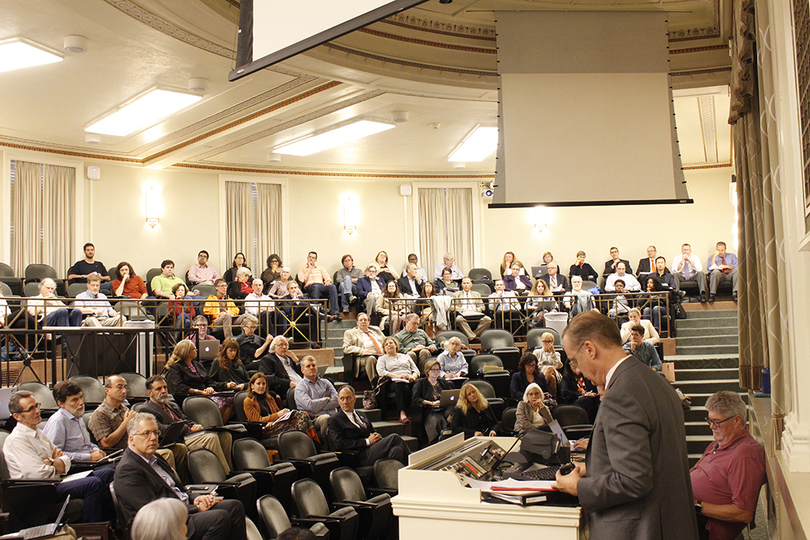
(142, 111)
(333, 137)
(20, 53)
(478, 145)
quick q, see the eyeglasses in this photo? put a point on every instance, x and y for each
(149, 434)
(548, 341)
(32, 408)
(572, 360)
(434, 369)
(716, 423)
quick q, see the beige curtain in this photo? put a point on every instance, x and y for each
(445, 225)
(238, 231)
(43, 215)
(268, 223)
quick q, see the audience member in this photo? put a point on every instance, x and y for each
(548, 258)
(575, 389)
(228, 366)
(163, 283)
(620, 305)
(166, 412)
(182, 311)
(727, 479)
(402, 372)
(365, 342)
(262, 407)
(163, 519)
(95, 306)
(30, 455)
(390, 306)
(578, 301)
(517, 280)
(414, 341)
(448, 261)
(610, 266)
(410, 285)
(654, 305)
(532, 412)
(127, 283)
(143, 476)
(315, 396)
(242, 287)
(413, 259)
(252, 347)
(646, 266)
(280, 284)
(239, 261)
(452, 362)
(663, 274)
(281, 365)
(722, 266)
(272, 272)
(346, 278)
(470, 308)
(687, 267)
(83, 269)
(473, 416)
(650, 332)
(66, 428)
(549, 363)
(427, 394)
(641, 350)
(386, 271)
(526, 374)
(187, 377)
(200, 323)
(424, 307)
(504, 303)
(221, 309)
(631, 284)
(446, 284)
(261, 307)
(555, 280)
(582, 269)
(202, 272)
(49, 310)
(351, 431)
(317, 283)
(370, 288)
(510, 260)
(540, 301)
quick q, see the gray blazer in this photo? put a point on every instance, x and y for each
(638, 484)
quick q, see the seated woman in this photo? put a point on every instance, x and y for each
(526, 374)
(272, 272)
(548, 360)
(582, 269)
(650, 333)
(181, 311)
(187, 377)
(221, 309)
(656, 305)
(242, 287)
(517, 281)
(391, 310)
(402, 372)
(127, 283)
(427, 393)
(386, 271)
(506, 265)
(424, 307)
(48, 310)
(200, 323)
(531, 411)
(473, 417)
(279, 287)
(447, 285)
(239, 261)
(540, 301)
(228, 366)
(261, 406)
(577, 390)
(453, 363)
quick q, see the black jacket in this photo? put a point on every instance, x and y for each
(164, 419)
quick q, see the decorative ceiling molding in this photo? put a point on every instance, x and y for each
(65, 152)
(447, 28)
(436, 44)
(698, 167)
(699, 49)
(705, 32)
(707, 117)
(289, 124)
(700, 71)
(286, 172)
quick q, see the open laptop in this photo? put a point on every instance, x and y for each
(172, 434)
(449, 398)
(5, 396)
(43, 531)
(208, 350)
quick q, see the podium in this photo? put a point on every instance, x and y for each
(434, 503)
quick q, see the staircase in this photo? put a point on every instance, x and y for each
(706, 361)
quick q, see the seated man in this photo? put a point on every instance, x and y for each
(504, 304)
(610, 266)
(365, 342)
(163, 283)
(727, 478)
(49, 310)
(470, 309)
(448, 262)
(202, 272)
(414, 341)
(315, 396)
(555, 281)
(346, 278)
(109, 424)
(620, 305)
(646, 267)
(410, 284)
(413, 259)
(351, 431)
(650, 333)
(578, 301)
(317, 283)
(687, 267)
(630, 282)
(262, 308)
(66, 428)
(370, 287)
(517, 280)
(95, 305)
(222, 310)
(81, 270)
(641, 350)
(31, 455)
(167, 412)
(663, 274)
(722, 266)
(143, 476)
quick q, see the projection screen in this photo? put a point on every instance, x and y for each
(586, 114)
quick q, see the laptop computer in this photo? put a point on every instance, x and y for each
(43, 531)
(172, 434)
(5, 396)
(449, 398)
(208, 350)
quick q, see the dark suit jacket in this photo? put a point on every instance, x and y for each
(638, 484)
(609, 267)
(165, 419)
(561, 280)
(277, 379)
(644, 267)
(137, 484)
(364, 286)
(511, 285)
(405, 286)
(345, 436)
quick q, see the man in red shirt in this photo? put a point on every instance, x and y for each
(727, 479)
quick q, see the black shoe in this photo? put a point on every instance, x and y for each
(711, 298)
(702, 298)
(734, 297)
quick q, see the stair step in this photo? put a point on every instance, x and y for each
(686, 341)
(386, 428)
(729, 374)
(413, 442)
(699, 401)
(703, 362)
(725, 322)
(707, 349)
(697, 428)
(684, 331)
(707, 385)
(696, 444)
(710, 313)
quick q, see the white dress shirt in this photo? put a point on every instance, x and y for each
(25, 449)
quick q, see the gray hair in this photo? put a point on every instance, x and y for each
(137, 418)
(276, 341)
(727, 403)
(47, 281)
(454, 339)
(14, 402)
(243, 271)
(162, 519)
(411, 316)
(257, 280)
(412, 266)
(247, 317)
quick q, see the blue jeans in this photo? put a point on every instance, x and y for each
(316, 290)
(64, 317)
(347, 289)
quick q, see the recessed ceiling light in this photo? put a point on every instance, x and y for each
(75, 44)
(20, 53)
(142, 111)
(477, 146)
(92, 138)
(198, 85)
(352, 131)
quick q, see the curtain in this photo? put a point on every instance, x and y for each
(432, 235)
(238, 230)
(43, 212)
(268, 223)
(445, 225)
(459, 226)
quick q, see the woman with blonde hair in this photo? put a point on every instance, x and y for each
(391, 310)
(506, 265)
(261, 406)
(402, 371)
(473, 416)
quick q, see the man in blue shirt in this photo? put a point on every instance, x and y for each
(66, 428)
(722, 266)
(641, 350)
(315, 396)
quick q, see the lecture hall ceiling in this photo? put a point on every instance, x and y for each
(436, 62)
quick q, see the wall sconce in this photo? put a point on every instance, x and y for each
(540, 221)
(349, 216)
(152, 200)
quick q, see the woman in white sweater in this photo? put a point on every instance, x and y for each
(402, 372)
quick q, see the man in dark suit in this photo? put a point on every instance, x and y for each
(610, 266)
(410, 284)
(142, 476)
(351, 431)
(555, 281)
(636, 482)
(647, 266)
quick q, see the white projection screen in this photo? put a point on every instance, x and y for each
(586, 114)
(273, 30)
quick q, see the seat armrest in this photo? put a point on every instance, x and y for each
(382, 491)
(353, 504)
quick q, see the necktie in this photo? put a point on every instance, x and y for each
(723, 261)
(686, 269)
(376, 343)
